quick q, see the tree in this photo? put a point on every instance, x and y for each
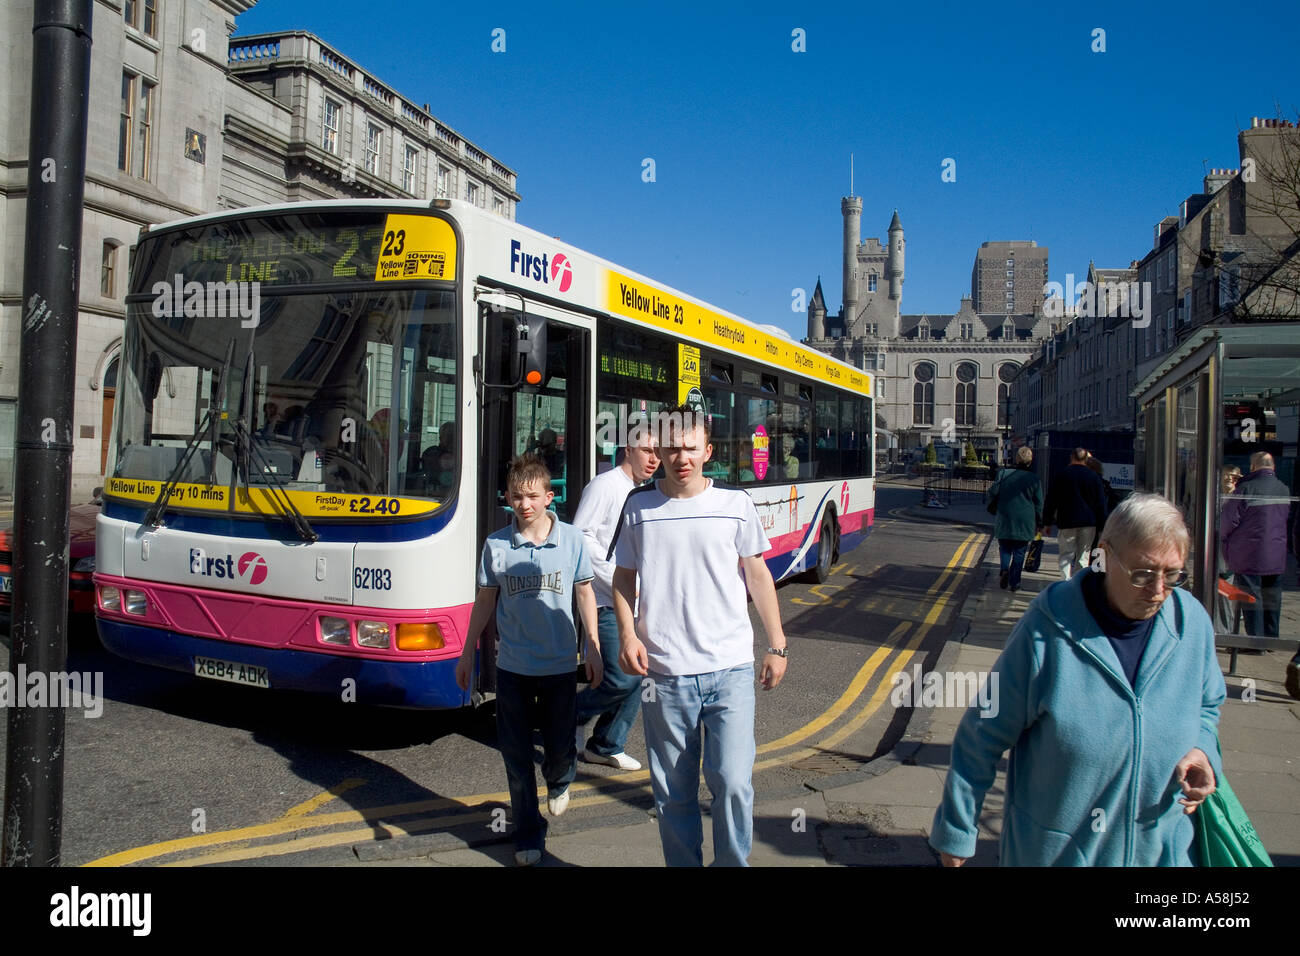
(931, 456)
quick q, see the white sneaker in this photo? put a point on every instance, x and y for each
(558, 804)
(527, 857)
(620, 760)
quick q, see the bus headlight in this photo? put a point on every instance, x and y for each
(336, 630)
(136, 603)
(372, 633)
(419, 636)
(110, 599)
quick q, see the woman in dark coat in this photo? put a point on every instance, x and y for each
(1019, 497)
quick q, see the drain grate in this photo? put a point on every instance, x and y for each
(829, 762)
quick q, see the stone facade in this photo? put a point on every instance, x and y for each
(307, 123)
(184, 121)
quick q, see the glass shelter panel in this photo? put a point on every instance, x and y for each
(1257, 594)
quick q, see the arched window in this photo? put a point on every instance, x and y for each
(1006, 374)
(966, 375)
(923, 394)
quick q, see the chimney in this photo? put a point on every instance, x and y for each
(1217, 179)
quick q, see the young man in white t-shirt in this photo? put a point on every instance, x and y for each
(614, 703)
(689, 540)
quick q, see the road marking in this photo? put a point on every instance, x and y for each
(316, 802)
(300, 817)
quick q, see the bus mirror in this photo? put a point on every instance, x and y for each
(530, 346)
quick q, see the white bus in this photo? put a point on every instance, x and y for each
(318, 401)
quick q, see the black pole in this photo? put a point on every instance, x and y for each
(56, 174)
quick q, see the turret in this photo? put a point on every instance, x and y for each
(851, 207)
(894, 269)
(817, 313)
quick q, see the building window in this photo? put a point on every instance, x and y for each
(1006, 375)
(1011, 273)
(923, 331)
(374, 140)
(498, 205)
(1010, 284)
(966, 373)
(136, 126)
(330, 140)
(923, 395)
(1008, 330)
(967, 330)
(471, 193)
(444, 182)
(871, 282)
(1010, 263)
(108, 270)
(141, 15)
(410, 181)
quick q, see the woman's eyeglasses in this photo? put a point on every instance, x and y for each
(1145, 577)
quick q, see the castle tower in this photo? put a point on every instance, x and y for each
(894, 272)
(817, 313)
(851, 207)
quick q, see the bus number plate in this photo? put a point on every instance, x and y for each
(232, 671)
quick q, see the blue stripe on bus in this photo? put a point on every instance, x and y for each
(424, 684)
(276, 529)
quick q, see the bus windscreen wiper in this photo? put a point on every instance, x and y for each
(212, 425)
(248, 454)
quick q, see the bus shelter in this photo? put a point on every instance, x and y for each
(1224, 397)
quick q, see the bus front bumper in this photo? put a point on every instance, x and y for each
(415, 684)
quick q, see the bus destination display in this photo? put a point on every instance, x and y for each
(309, 249)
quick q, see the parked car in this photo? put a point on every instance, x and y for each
(81, 555)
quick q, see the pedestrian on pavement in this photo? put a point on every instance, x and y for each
(1108, 696)
(1223, 604)
(1252, 532)
(690, 539)
(1019, 497)
(537, 564)
(614, 703)
(1076, 504)
(1110, 495)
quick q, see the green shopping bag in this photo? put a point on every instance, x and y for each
(1224, 834)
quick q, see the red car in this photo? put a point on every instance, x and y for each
(81, 555)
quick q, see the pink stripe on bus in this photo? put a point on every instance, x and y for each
(276, 622)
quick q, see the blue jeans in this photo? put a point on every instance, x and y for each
(1011, 558)
(545, 703)
(615, 700)
(721, 704)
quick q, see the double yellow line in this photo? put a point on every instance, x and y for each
(228, 846)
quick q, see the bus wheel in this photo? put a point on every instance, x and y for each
(827, 544)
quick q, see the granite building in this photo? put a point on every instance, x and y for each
(939, 377)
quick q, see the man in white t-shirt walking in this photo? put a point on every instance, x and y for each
(689, 540)
(614, 703)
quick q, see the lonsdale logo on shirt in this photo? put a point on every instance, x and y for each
(518, 583)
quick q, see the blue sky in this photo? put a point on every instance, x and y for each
(1083, 152)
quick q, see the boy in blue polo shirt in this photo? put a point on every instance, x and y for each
(529, 573)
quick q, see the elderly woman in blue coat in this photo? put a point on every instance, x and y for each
(1108, 695)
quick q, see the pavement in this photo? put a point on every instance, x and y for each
(880, 815)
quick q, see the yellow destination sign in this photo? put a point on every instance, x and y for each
(647, 303)
(260, 501)
(416, 247)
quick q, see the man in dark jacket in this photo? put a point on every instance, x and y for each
(1252, 530)
(1076, 504)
